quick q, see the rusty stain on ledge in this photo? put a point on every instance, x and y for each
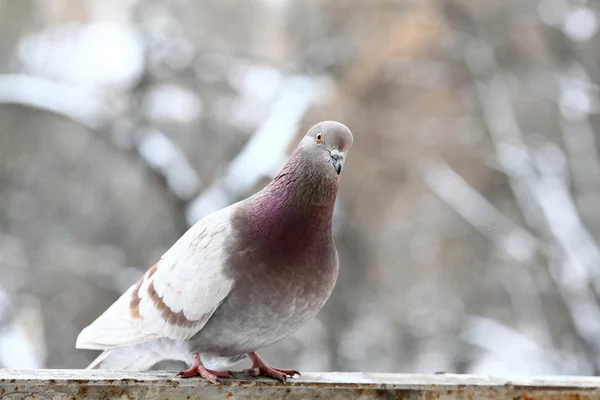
(85, 384)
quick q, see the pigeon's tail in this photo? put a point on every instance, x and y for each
(125, 358)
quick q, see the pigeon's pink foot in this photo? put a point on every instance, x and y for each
(198, 369)
(260, 368)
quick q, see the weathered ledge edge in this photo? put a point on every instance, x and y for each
(69, 384)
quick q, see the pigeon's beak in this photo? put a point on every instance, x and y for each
(337, 160)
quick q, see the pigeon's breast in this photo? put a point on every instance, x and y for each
(272, 297)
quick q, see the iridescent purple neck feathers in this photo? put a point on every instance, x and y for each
(295, 210)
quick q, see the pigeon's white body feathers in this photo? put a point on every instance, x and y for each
(188, 279)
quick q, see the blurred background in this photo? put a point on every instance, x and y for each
(468, 220)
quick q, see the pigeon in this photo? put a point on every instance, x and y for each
(240, 279)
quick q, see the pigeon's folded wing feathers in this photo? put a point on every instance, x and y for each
(176, 297)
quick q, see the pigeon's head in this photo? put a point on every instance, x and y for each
(326, 145)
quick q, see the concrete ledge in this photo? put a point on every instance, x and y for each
(84, 384)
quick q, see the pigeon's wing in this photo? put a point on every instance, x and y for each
(176, 297)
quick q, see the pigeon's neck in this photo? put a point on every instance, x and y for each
(296, 208)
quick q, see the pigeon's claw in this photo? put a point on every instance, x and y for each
(260, 368)
(288, 372)
(198, 369)
(272, 373)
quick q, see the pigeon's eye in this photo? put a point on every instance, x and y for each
(319, 137)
